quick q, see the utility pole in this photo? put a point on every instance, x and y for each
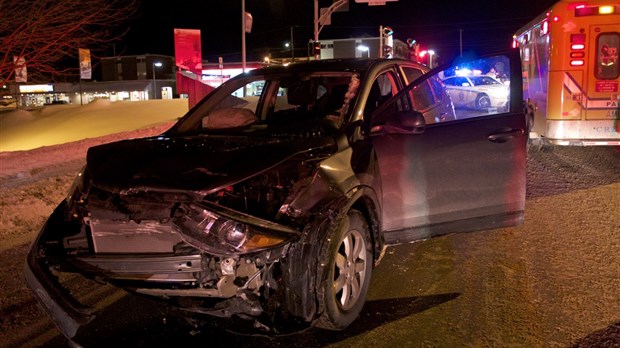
(319, 22)
(243, 36)
(381, 41)
(316, 20)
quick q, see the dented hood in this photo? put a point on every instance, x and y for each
(199, 163)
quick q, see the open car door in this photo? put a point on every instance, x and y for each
(460, 172)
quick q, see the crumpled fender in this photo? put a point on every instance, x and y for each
(302, 267)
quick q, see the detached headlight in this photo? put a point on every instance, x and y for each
(77, 186)
(226, 231)
(77, 191)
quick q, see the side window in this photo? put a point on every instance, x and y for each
(448, 82)
(411, 73)
(383, 88)
(461, 81)
(421, 95)
(437, 87)
(391, 111)
(472, 93)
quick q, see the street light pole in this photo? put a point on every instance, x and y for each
(461, 41)
(155, 64)
(430, 58)
(292, 47)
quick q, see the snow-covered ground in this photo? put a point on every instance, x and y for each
(59, 124)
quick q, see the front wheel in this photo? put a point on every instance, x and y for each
(347, 272)
(483, 102)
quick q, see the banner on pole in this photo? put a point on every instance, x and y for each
(21, 73)
(248, 22)
(85, 66)
(374, 2)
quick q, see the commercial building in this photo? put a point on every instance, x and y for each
(364, 47)
(139, 77)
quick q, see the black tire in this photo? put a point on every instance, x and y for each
(346, 278)
(483, 102)
(539, 145)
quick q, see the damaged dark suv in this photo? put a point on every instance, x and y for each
(277, 194)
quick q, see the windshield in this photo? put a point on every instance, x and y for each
(282, 102)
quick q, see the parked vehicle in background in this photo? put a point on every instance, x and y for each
(571, 73)
(479, 92)
(7, 102)
(277, 206)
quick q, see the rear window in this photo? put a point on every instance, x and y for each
(607, 47)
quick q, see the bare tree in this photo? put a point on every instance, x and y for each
(46, 33)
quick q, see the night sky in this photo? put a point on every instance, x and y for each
(487, 25)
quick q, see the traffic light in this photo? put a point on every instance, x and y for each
(387, 41)
(387, 51)
(414, 49)
(387, 31)
(316, 50)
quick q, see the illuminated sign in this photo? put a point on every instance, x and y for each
(36, 88)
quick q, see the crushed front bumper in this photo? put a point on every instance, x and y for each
(234, 283)
(67, 312)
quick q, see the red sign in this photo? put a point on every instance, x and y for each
(606, 86)
(188, 50)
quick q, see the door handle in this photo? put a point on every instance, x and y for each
(502, 137)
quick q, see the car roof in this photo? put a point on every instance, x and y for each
(469, 76)
(345, 64)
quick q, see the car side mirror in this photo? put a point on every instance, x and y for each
(404, 122)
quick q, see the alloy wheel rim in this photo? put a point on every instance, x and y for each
(350, 269)
(485, 102)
